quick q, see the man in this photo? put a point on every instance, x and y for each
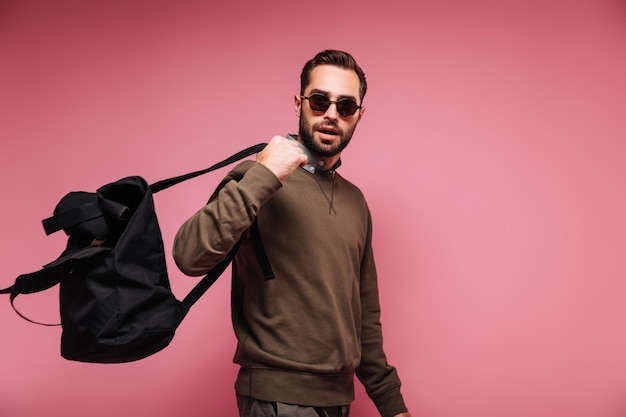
(303, 335)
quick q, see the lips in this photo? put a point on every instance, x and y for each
(328, 130)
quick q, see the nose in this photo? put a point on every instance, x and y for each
(331, 112)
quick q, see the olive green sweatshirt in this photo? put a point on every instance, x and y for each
(303, 335)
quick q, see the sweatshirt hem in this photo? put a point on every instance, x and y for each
(300, 388)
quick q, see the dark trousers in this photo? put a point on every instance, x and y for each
(251, 407)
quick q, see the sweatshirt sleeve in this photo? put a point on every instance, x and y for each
(207, 236)
(380, 379)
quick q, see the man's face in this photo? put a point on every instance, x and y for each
(327, 133)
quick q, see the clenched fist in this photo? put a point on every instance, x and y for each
(282, 156)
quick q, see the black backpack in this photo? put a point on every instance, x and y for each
(116, 304)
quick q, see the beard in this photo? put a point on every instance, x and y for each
(317, 147)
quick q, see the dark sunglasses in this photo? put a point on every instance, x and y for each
(346, 107)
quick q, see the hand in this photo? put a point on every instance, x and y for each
(282, 156)
(403, 415)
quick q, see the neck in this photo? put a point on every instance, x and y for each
(330, 161)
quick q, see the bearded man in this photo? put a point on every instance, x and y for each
(303, 335)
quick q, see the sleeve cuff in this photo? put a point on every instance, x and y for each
(390, 403)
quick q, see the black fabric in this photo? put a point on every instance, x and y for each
(116, 304)
(259, 249)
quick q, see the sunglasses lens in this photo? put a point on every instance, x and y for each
(346, 107)
(319, 102)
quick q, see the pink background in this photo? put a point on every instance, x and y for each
(492, 154)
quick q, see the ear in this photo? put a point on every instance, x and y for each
(297, 104)
(361, 113)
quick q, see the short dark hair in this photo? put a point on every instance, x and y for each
(338, 59)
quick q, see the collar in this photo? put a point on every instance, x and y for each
(314, 163)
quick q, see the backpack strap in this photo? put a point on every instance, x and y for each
(31, 283)
(259, 249)
(209, 279)
(167, 183)
(212, 276)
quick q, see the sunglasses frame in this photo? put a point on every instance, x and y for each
(337, 103)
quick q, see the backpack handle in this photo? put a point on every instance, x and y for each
(71, 217)
(169, 182)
